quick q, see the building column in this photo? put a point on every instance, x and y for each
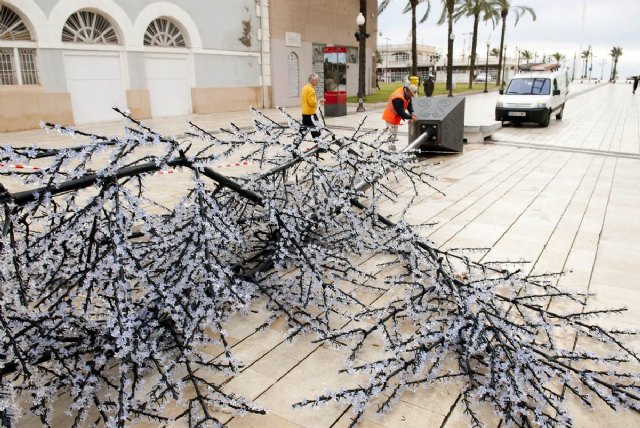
(264, 35)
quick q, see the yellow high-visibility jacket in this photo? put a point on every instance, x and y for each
(308, 100)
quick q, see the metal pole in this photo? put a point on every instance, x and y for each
(486, 71)
(504, 66)
(365, 184)
(386, 61)
(361, 53)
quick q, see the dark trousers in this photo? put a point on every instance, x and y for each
(307, 121)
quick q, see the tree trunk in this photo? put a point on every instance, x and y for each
(500, 65)
(450, 46)
(414, 48)
(474, 43)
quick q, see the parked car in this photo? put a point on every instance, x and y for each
(534, 96)
(482, 77)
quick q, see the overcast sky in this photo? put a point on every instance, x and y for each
(559, 27)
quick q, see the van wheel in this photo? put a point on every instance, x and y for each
(546, 117)
(559, 115)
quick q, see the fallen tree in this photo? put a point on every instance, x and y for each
(119, 300)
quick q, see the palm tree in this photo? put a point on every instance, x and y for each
(504, 7)
(411, 5)
(477, 9)
(558, 57)
(449, 6)
(527, 55)
(449, 15)
(616, 52)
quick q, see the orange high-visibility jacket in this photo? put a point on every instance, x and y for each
(389, 114)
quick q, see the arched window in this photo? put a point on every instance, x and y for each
(162, 32)
(401, 56)
(17, 65)
(293, 67)
(12, 27)
(86, 26)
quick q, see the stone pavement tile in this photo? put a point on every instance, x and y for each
(401, 414)
(601, 416)
(621, 218)
(299, 348)
(249, 384)
(614, 296)
(241, 325)
(560, 242)
(460, 195)
(487, 232)
(617, 255)
(437, 398)
(257, 345)
(619, 296)
(578, 266)
(542, 216)
(365, 422)
(550, 260)
(517, 248)
(458, 418)
(275, 364)
(312, 377)
(269, 420)
(469, 207)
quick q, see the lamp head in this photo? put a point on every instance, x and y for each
(360, 19)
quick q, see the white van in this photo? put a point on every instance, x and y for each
(534, 95)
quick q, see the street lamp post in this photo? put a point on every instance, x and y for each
(386, 61)
(504, 66)
(486, 67)
(360, 21)
(590, 66)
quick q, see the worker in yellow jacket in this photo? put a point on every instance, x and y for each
(309, 104)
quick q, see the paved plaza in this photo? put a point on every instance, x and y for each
(563, 198)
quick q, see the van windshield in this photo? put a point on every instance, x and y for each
(529, 86)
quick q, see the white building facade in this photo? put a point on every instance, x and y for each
(69, 61)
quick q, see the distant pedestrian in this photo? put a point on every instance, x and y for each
(377, 84)
(429, 86)
(398, 108)
(309, 105)
(635, 83)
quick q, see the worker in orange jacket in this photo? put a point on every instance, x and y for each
(398, 108)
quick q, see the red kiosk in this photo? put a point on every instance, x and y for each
(335, 80)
